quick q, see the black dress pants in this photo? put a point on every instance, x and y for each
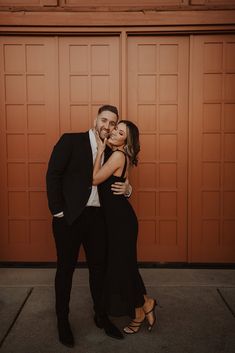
(89, 230)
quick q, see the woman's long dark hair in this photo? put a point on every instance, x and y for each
(132, 147)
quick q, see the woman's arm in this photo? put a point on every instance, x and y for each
(101, 173)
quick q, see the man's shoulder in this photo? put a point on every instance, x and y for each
(73, 135)
(70, 139)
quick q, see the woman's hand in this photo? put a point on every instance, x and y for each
(100, 144)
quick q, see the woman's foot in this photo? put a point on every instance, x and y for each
(135, 324)
(149, 310)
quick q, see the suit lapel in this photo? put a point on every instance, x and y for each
(88, 150)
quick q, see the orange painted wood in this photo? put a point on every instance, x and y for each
(29, 128)
(157, 102)
(120, 18)
(32, 120)
(89, 78)
(212, 2)
(28, 3)
(119, 3)
(184, 186)
(114, 4)
(212, 185)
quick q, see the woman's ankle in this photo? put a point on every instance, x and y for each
(139, 314)
(148, 303)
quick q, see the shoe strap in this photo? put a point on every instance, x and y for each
(135, 326)
(130, 328)
(150, 311)
(139, 323)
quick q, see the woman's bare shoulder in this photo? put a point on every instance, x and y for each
(116, 157)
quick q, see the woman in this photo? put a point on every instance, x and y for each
(124, 292)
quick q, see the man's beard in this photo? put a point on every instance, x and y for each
(104, 135)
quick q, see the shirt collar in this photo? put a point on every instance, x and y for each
(92, 140)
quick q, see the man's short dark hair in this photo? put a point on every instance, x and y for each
(110, 108)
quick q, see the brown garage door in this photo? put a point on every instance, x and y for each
(185, 111)
(89, 77)
(212, 162)
(158, 102)
(29, 127)
(42, 95)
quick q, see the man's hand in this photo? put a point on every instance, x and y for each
(100, 144)
(59, 215)
(120, 188)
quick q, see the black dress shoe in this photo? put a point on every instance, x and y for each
(102, 321)
(65, 333)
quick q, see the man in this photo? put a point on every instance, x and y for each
(77, 219)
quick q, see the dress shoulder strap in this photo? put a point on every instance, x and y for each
(124, 168)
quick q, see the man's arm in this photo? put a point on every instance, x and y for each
(119, 188)
(56, 167)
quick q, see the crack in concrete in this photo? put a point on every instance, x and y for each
(16, 316)
(225, 302)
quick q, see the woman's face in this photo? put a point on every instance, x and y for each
(118, 135)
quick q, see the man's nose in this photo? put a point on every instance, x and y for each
(106, 125)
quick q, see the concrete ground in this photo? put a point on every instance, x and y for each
(196, 313)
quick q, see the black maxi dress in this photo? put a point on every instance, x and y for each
(124, 288)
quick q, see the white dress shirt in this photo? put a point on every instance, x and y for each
(94, 196)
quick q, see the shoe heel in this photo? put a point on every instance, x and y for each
(150, 326)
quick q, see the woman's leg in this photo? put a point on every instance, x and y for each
(146, 311)
(149, 310)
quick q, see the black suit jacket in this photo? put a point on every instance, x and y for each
(69, 175)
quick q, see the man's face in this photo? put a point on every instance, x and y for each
(105, 123)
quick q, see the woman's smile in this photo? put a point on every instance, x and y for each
(118, 135)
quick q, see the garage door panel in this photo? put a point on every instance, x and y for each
(29, 128)
(89, 78)
(157, 87)
(213, 145)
